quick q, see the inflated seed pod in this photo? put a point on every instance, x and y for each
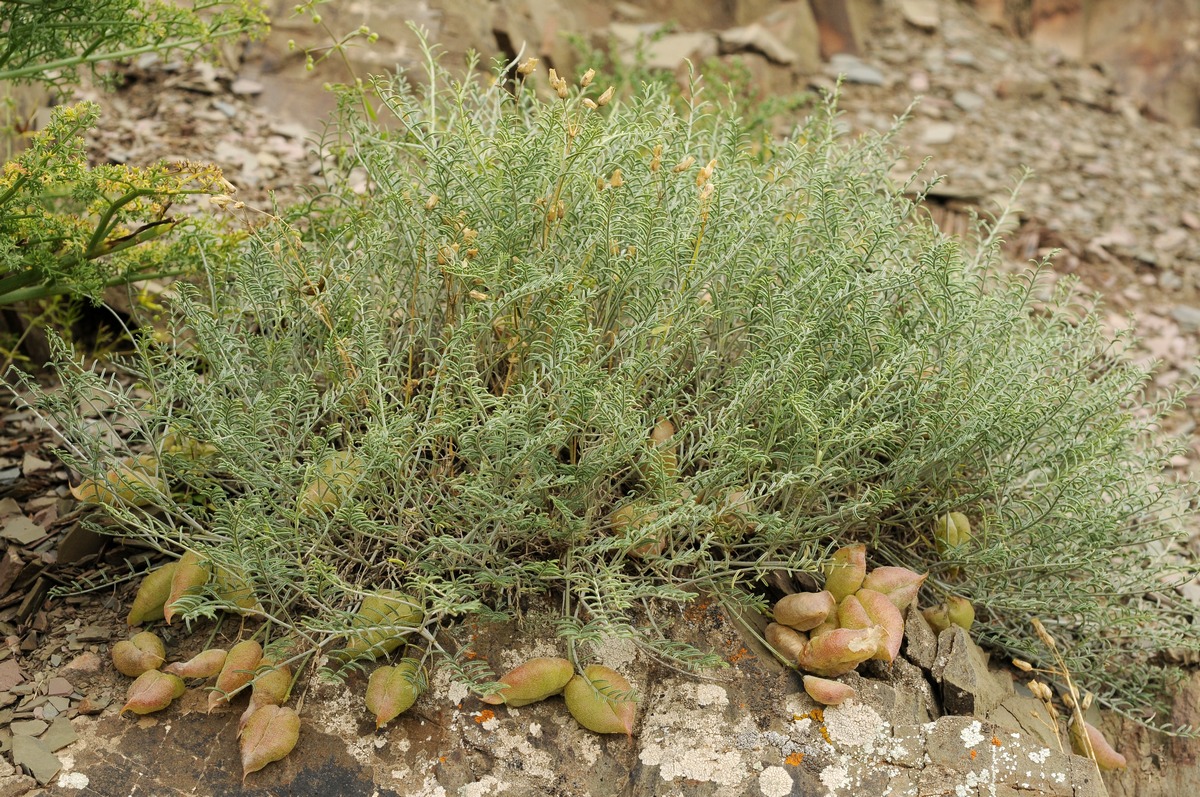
(629, 518)
(231, 586)
(839, 651)
(845, 571)
(134, 481)
(960, 612)
(391, 691)
(851, 614)
(663, 450)
(826, 692)
(272, 683)
(270, 734)
(332, 483)
(382, 623)
(598, 700)
(950, 531)
(152, 595)
(138, 654)
(899, 583)
(804, 611)
(824, 628)
(787, 641)
(884, 614)
(240, 664)
(205, 664)
(1107, 758)
(190, 575)
(535, 680)
(152, 691)
(937, 617)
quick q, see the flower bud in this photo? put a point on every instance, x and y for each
(586, 80)
(603, 99)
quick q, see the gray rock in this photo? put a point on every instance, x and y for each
(794, 25)
(854, 70)
(1187, 317)
(35, 758)
(969, 101)
(672, 50)
(60, 734)
(921, 14)
(755, 38)
(920, 642)
(939, 133)
(968, 687)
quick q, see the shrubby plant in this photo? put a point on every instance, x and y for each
(609, 354)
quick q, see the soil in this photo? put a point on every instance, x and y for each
(1114, 201)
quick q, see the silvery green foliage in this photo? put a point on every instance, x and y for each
(526, 286)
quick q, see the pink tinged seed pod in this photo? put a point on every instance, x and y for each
(786, 641)
(535, 680)
(1106, 758)
(824, 628)
(899, 583)
(851, 614)
(845, 571)
(202, 665)
(826, 692)
(270, 734)
(840, 651)
(804, 611)
(135, 656)
(238, 671)
(152, 691)
(960, 612)
(937, 617)
(190, 576)
(391, 691)
(271, 687)
(884, 614)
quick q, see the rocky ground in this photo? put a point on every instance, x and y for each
(1113, 192)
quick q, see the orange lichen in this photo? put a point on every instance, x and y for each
(973, 754)
(484, 716)
(825, 734)
(738, 655)
(996, 741)
(794, 759)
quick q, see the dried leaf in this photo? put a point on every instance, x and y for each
(190, 574)
(536, 679)
(203, 665)
(270, 734)
(804, 611)
(135, 656)
(590, 699)
(237, 671)
(845, 571)
(152, 691)
(152, 595)
(391, 691)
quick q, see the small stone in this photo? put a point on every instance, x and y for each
(854, 70)
(1187, 317)
(28, 727)
(758, 39)
(229, 111)
(93, 705)
(969, 101)
(10, 675)
(1187, 218)
(35, 758)
(921, 14)
(939, 133)
(58, 686)
(9, 506)
(32, 464)
(86, 662)
(918, 82)
(961, 57)
(245, 86)
(60, 734)
(21, 530)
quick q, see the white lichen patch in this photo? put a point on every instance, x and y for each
(1040, 756)
(488, 784)
(835, 777)
(73, 780)
(515, 751)
(616, 652)
(687, 742)
(775, 782)
(536, 649)
(972, 735)
(711, 695)
(337, 713)
(854, 724)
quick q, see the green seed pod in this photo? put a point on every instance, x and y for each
(203, 665)
(804, 611)
(135, 656)
(629, 518)
(588, 699)
(152, 595)
(937, 617)
(950, 531)
(960, 612)
(391, 691)
(134, 481)
(845, 571)
(152, 691)
(240, 664)
(333, 483)
(190, 575)
(840, 651)
(851, 614)
(381, 624)
(899, 583)
(535, 680)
